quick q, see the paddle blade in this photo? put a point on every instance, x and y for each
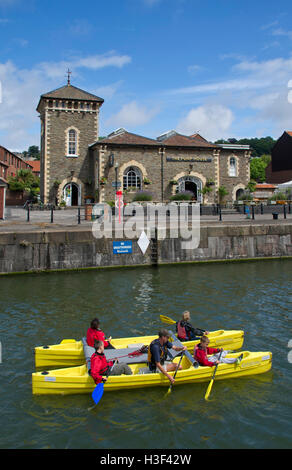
(97, 393)
(209, 389)
(167, 320)
(168, 392)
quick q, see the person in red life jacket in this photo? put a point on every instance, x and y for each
(202, 351)
(157, 355)
(100, 367)
(186, 331)
(95, 333)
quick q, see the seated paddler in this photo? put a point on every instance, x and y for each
(94, 333)
(158, 352)
(100, 367)
(186, 331)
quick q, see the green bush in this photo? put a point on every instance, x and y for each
(184, 196)
(143, 196)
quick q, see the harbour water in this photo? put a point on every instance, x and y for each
(39, 309)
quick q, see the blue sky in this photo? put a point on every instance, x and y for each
(220, 67)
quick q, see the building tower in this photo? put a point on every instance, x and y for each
(69, 124)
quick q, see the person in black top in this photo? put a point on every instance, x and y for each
(186, 331)
(157, 355)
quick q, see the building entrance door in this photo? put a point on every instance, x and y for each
(71, 194)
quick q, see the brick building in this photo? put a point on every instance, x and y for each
(10, 163)
(3, 187)
(280, 168)
(76, 165)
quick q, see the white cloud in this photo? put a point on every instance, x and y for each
(212, 121)
(195, 68)
(21, 89)
(131, 114)
(108, 91)
(282, 32)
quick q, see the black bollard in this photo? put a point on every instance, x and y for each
(52, 215)
(289, 208)
(27, 214)
(220, 213)
(284, 210)
(252, 212)
(79, 218)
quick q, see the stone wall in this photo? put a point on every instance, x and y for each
(39, 251)
(204, 164)
(55, 164)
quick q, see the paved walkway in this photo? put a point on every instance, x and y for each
(16, 220)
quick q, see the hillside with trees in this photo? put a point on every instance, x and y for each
(259, 146)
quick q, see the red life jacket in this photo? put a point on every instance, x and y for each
(181, 331)
(202, 356)
(99, 367)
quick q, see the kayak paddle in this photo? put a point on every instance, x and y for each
(170, 387)
(167, 320)
(213, 377)
(98, 391)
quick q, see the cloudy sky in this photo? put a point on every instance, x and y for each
(219, 67)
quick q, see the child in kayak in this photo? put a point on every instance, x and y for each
(100, 367)
(95, 333)
(202, 350)
(186, 331)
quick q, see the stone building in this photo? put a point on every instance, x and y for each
(69, 123)
(77, 166)
(171, 163)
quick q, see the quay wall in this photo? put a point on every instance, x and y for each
(75, 249)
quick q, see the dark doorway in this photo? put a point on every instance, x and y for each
(191, 186)
(239, 193)
(74, 197)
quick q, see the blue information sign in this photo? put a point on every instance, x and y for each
(122, 247)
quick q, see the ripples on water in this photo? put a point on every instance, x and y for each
(250, 412)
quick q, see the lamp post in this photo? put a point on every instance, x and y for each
(116, 170)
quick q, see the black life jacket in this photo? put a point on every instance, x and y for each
(163, 353)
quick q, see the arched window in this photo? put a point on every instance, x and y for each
(72, 142)
(132, 179)
(232, 167)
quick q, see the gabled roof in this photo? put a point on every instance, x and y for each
(168, 139)
(178, 140)
(123, 137)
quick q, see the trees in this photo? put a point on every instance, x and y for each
(205, 190)
(222, 192)
(32, 152)
(259, 146)
(25, 180)
(258, 167)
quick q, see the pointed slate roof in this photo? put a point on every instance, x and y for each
(70, 92)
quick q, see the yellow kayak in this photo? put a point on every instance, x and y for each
(75, 380)
(70, 352)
